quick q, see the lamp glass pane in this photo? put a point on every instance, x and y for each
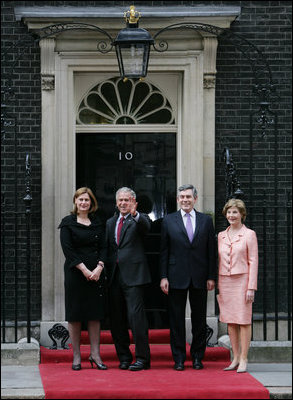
(133, 59)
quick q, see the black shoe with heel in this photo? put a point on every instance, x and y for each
(76, 367)
(99, 365)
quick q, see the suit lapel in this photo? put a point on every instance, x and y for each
(180, 223)
(112, 227)
(197, 226)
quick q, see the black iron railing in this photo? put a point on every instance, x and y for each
(273, 304)
(10, 287)
(271, 218)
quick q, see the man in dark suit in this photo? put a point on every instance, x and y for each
(187, 265)
(128, 272)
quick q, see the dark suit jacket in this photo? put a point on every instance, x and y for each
(181, 261)
(130, 253)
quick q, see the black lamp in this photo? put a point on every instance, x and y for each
(132, 46)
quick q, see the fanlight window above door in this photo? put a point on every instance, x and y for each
(132, 102)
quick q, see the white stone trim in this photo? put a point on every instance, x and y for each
(60, 128)
(47, 63)
(106, 12)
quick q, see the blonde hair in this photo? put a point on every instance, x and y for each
(79, 192)
(238, 204)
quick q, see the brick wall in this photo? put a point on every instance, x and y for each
(21, 72)
(267, 159)
(265, 24)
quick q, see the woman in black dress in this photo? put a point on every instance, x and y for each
(83, 244)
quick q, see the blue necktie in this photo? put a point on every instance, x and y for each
(189, 227)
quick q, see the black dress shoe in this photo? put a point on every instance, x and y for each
(197, 364)
(124, 365)
(139, 365)
(179, 367)
(76, 367)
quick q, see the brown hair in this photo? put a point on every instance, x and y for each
(79, 192)
(235, 203)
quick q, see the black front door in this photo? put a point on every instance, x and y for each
(147, 164)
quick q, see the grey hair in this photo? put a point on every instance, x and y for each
(125, 189)
(186, 187)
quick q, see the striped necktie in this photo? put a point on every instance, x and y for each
(119, 228)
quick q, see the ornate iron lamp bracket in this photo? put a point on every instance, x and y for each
(231, 180)
(259, 63)
(263, 86)
(264, 117)
(28, 198)
(53, 30)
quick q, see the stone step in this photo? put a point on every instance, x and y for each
(264, 351)
(21, 353)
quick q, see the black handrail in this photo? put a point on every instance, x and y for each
(28, 200)
(289, 260)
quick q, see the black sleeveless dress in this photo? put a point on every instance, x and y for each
(84, 300)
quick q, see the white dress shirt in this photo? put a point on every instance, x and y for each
(193, 218)
(118, 220)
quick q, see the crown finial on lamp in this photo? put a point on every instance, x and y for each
(132, 16)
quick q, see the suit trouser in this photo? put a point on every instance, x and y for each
(127, 307)
(177, 305)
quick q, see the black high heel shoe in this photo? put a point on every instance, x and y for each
(99, 365)
(76, 367)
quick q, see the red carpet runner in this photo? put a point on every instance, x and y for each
(159, 382)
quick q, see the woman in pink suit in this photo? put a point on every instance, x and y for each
(238, 267)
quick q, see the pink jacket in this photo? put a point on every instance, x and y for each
(239, 256)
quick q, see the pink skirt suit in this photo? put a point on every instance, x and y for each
(238, 267)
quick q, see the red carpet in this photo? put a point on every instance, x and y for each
(160, 382)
